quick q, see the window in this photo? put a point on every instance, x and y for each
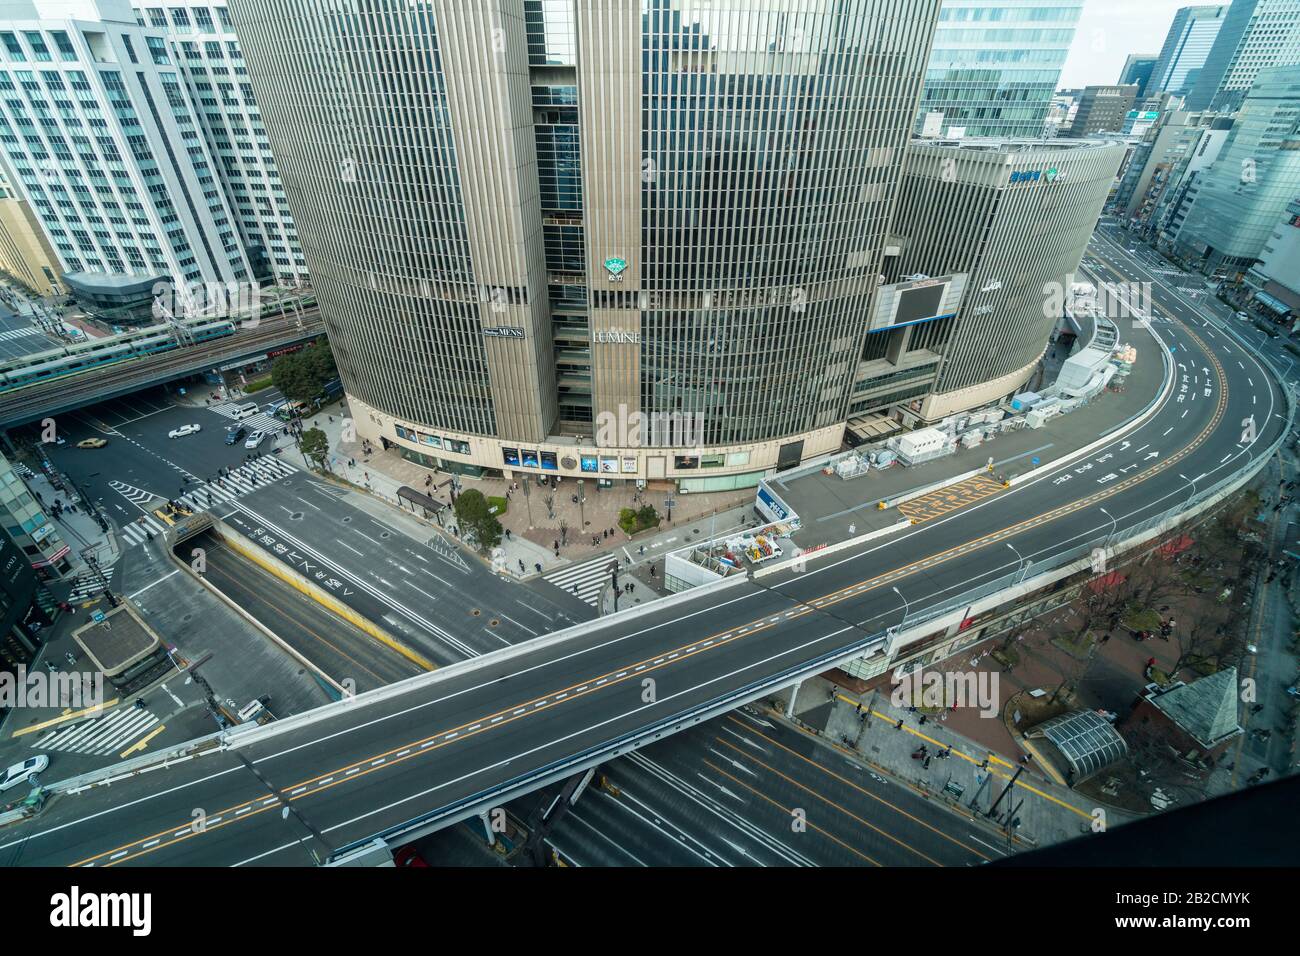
(67, 51)
(39, 49)
(13, 46)
(158, 49)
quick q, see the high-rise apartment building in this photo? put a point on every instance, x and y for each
(527, 221)
(1017, 217)
(1137, 72)
(995, 65)
(1186, 46)
(1256, 35)
(204, 47)
(106, 146)
(1244, 194)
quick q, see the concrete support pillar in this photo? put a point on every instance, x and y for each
(487, 828)
(794, 692)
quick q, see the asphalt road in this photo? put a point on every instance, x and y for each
(439, 747)
(346, 654)
(747, 790)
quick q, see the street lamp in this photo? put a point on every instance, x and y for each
(907, 608)
(1021, 557)
(1114, 526)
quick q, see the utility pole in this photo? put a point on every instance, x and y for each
(1005, 790)
(88, 555)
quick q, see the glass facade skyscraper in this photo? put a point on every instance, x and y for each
(1256, 35)
(1186, 46)
(996, 63)
(1245, 193)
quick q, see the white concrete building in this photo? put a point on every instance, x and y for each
(106, 146)
(204, 46)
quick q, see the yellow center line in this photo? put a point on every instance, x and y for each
(472, 728)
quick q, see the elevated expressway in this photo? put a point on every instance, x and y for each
(444, 746)
(96, 385)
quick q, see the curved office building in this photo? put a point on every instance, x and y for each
(1017, 217)
(529, 220)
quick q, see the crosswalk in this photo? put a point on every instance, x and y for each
(10, 334)
(87, 585)
(236, 483)
(261, 422)
(102, 735)
(585, 581)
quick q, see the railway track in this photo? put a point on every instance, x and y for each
(84, 388)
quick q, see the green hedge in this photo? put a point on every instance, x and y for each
(257, 384)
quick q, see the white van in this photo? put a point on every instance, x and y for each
(246, 411)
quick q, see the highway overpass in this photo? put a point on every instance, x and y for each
(444, 746)
(86, 388)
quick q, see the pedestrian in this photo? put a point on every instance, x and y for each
(642, 549)
(611, 532)
(522, 569)
(899, 725)
(859, 707)
(923, 720)
(507, 534)
(556, 545)
(538, 567)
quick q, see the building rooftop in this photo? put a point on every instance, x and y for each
(1206, 708)
(118, 641)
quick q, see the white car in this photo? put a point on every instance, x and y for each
(183, 431)
(1243, 316)
(255, 439)
(22, 771)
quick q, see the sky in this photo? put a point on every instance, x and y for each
(1109, 30)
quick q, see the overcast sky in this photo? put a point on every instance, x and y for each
(1109, 30)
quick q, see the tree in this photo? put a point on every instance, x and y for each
(302, 375)
(474, 516)
(315, 445)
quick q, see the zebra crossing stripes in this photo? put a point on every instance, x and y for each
(585, 581)
(101, 735)
(87, 585)
(138, 531)
(17, 334)
(261, 422)
(237, 482)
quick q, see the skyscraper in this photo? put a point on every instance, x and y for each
(206, 50)
(1244, 194)
(1186, 46)
(525, 220)
(1256, 35)
(1137, 72)
(105, 145)
(996, 63)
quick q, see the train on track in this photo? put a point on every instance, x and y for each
(93, 353)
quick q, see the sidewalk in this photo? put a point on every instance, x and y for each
(79, 529)
(970, 781)
(545, 520)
